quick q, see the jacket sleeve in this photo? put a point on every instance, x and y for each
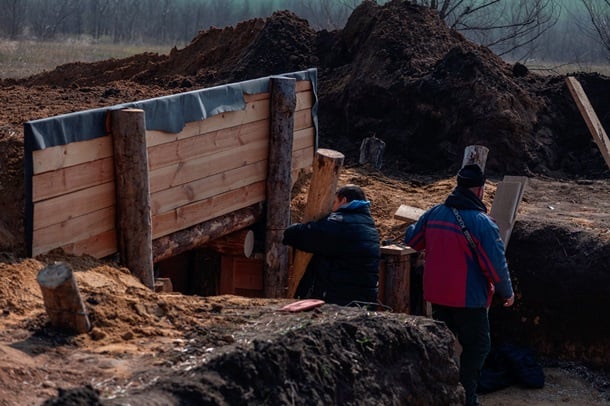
(415, 234)
(493, 257)
(310, 237)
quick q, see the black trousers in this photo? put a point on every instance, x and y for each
(471, 328)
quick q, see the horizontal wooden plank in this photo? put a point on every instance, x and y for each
(98, 246)
(303, 85)
(255, 111)
(256, 96)
(185, 172)
(304, 101)
(302, 158)
(71, 205)
(204, 210)
(304, 138)
(71, 179)
(75, 153)
(201, 189)
(407, 213)
(73, 230)
(303, 119)
(156, 137)
(206, 144)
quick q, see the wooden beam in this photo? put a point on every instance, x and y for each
(588, 113)
(74, 153)
(62, 299)
(506, 202)
(207, 165)
(134, 228)
(257, 110)
(177, 152)
(63, 208)
(207, 187)
(239, 243)
(73, 230)
(408, 214)
(283, 103)
(203, 210)
(204, 232)
(326, 166)
(73, 178)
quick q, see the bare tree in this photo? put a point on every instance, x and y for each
(503, 25)
(599, 13)
(12, 16)
(324, 14)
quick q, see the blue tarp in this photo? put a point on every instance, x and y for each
(168, 113)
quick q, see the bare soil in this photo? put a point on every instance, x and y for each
(395, 71)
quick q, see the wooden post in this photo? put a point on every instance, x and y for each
(326, 166)
(134, 225)
(202, 233)
(475, 154)
(239, 243)
(397, 277)
(62, 299)
(279, 183)
(588, 113)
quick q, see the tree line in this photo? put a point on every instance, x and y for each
(554, 30)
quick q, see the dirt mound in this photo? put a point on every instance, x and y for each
(395, 71)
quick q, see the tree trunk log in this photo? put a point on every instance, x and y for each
(202, 233)
(62, 299)
(326, 166)
(279, 183)
(134, 224)
(475, 154)
(239, 243)
(397, 277)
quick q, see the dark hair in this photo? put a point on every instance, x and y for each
(471, 176)
(351, 192)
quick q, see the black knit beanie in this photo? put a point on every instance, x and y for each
(470, 176)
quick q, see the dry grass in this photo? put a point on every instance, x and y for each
(19, 59)
(562, 68)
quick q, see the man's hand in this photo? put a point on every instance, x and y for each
(509, 302)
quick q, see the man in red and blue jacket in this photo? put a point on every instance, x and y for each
(465, 264)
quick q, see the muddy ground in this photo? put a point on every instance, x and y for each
(394, 71)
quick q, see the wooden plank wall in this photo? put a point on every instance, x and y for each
(211, 168)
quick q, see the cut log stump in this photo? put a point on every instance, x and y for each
(62, 299)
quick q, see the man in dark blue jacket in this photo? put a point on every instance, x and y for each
(465, 265)
(344, 268)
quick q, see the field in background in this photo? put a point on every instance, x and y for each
(20, 59)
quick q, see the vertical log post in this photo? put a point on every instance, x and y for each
(134, 225)
(279, 182)
(475, 154)
(326, 166)
(62, 299)
(397, 277)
